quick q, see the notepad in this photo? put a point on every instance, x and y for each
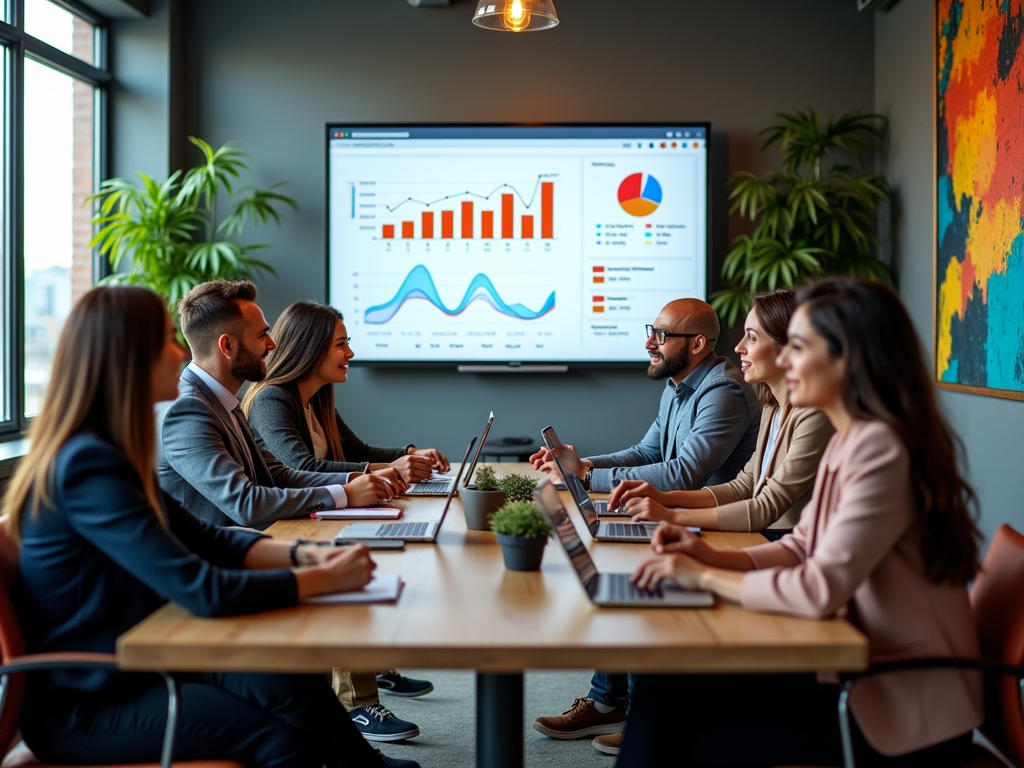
(360, 513)
(381, 589)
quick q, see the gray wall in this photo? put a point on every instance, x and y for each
(904, 84)
(271, 75)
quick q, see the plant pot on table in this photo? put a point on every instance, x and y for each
(478, 506)
(522, 553)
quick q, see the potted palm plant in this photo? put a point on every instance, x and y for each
(522, 530)
(171, 230)
(816, 215)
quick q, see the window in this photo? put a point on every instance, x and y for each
(54, 87)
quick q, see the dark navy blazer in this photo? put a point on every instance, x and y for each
(98, 561)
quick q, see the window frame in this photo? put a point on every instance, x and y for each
(17, 45)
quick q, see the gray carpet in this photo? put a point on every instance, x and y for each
(448, 725)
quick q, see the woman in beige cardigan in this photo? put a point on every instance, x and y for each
(888, 542)
(772, 489)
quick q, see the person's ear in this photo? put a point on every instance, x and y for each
(225, 345)
(699, 342)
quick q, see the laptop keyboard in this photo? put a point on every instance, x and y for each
(403, 529)
(625, 529)
(429, 488)
(620, 590)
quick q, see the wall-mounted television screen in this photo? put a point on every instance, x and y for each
(508, 243)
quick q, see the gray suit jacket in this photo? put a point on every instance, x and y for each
(202, 465)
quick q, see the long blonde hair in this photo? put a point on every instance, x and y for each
(303, 334)
(102, 382)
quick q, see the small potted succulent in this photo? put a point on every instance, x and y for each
(517, 487)
(481, 502)
(522, 532)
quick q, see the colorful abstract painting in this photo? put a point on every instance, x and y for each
(980, 196)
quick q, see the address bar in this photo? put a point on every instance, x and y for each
(369, 135)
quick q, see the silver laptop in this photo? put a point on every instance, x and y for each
(425, 531)
(610, 589)
(440, 485)
(600, 505)
(476, 456)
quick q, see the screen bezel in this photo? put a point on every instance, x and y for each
(511, 362)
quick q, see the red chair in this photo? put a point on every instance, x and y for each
(997, 601)
(14, 663)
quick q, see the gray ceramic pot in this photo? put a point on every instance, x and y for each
(522, 554)
(479, 505)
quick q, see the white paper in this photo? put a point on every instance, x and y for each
(360, 513)
(381, 589)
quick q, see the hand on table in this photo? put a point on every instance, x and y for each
(393, 476)
(365, 490)
(648, 510)
(682, 569)
(413, 468)
(437, 459)
(672, 539)
(347, 568)
(634, 489)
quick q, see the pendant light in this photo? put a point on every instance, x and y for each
(515, 15)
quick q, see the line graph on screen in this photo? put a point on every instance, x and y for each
(419, 285)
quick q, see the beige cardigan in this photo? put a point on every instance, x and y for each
(752, 502)
(856, 554)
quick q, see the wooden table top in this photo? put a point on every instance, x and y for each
(460, 608)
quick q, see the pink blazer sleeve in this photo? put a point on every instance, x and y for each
(857, 516)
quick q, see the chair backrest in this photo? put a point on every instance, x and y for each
(12, 643)
(998, 603)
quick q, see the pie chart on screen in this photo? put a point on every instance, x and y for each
(640, 194)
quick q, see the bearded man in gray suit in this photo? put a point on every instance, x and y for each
(209, 460)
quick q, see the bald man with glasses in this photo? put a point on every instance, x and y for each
(708, 419)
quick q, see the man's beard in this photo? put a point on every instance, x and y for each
(669, 367)
(248, 366)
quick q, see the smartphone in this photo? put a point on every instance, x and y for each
(550, 438)
(386, 544)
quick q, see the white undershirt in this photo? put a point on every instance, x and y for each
(773, 436)
(317, 433)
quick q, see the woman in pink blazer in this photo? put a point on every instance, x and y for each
(887, 541)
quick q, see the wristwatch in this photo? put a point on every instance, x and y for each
(293, 551)
(587, 478)
(410, 449)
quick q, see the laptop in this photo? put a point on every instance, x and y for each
(440, 485)
(600, 506)
(408, 531)
(610, 589)
(476, 456)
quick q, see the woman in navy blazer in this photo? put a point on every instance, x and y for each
(102, 548)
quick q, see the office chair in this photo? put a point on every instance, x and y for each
(14, 663)
(999, 614)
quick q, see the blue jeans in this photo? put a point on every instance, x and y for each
(614, 690)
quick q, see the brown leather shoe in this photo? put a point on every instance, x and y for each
(581, 719)
(609, 744)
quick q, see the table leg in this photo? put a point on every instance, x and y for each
(499, 721)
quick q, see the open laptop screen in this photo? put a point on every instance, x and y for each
(579, 494)
(548, 501)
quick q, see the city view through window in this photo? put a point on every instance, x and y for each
(59, 176)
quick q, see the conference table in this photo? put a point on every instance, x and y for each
(460, 608)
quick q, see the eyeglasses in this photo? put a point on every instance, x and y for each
(660, 334)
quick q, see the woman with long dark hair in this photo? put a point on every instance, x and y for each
(888, 541)
(292, 415)
(101, 548)
(292, 411)
(775, 485)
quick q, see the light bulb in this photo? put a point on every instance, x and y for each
(516, 16)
